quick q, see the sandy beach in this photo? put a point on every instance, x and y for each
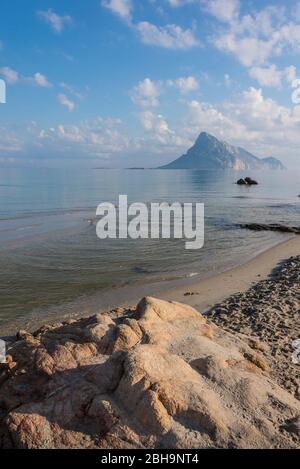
(269, 312)
(204, 294)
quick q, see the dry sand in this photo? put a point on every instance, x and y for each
(204, 294)
(269, 311)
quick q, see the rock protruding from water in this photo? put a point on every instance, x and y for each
(271, 227)
(247, 182)
(158, 376)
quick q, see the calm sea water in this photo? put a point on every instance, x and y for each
(50, 255)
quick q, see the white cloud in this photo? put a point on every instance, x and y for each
(185, 84)
(13, 77)
(151, 121)
(100, 137)
(55, 21)
(159, 130)
(296, 11)
(204, 116)
(65, 101)
(10, 75)
(9, 141)
(249, 50)
(146, 93)
(267, 76)
(170, 36)
(290, 74)
(71, 89)
(180, 3)
(223, 10)
(41, 80)
(271, 76)
(258, 36)
(123, 8)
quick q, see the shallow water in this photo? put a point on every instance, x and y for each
(50, 255)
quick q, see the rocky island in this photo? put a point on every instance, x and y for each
(210, 153)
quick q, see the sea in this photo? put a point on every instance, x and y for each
(52, 260)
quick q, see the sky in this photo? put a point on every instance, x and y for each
(118, 83)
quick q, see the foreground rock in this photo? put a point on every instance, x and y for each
(159, 376)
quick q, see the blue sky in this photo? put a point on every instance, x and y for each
(127, 82)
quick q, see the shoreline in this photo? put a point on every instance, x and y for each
(201, 294)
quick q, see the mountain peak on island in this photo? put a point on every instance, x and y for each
(206, 135)
(210, 153)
